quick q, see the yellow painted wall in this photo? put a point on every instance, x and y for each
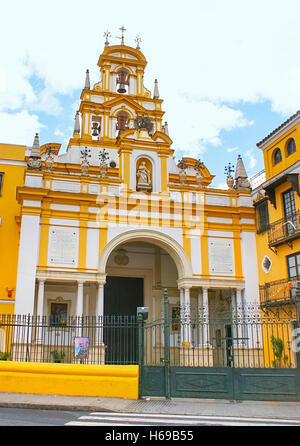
(69, 379)
(281, 328)
(281, 143)
(279, 268)
(9, 210)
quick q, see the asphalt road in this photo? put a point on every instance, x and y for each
(41, 417)
(37, 417)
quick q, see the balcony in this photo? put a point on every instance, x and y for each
(285, 230)
(279, 292)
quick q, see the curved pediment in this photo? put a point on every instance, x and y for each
(124, 53)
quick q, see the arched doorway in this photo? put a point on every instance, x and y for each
(136, 274)
(154, 256)
(138, 266)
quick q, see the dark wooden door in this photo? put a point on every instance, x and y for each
(122, 296)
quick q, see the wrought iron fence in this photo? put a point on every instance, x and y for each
(88, 339)
(240, 337)
(221, 336)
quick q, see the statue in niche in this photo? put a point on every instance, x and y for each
(143, 178)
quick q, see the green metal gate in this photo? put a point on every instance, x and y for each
(246, 358)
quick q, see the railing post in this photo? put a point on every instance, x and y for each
(27, 337)
(140, 350)
(167, 345)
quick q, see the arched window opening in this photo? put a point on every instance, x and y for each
(122, 80)
(291, 146)
(96, 127)
(123, 119)
(277, 156)
(144, 175)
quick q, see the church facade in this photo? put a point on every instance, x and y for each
(108, 225)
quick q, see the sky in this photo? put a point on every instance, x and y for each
(228, 71)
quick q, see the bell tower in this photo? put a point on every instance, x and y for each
(119, 114)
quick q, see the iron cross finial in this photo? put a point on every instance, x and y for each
(122, 29)
(229, 169)
(138, 41)
(107, 34)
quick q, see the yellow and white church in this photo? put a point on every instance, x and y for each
(108, 224)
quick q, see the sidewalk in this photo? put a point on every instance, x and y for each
(182, 406)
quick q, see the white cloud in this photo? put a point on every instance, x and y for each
(58, 132)
(19, 128)
(200, 123)
(252, 160)
(222, 186)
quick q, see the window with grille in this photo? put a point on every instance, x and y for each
(262, 216)
(289, 207)
(277, 156)
(293, 262)
(291, 146)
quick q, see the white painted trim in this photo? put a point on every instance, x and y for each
(12, 162)
(32, 203)
(166, 242)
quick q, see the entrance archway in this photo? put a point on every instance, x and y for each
(164, 241)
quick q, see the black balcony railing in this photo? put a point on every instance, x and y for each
(278, 291)
(284, 230)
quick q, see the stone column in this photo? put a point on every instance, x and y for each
(40, 303)
(185, 306)
(98, 348)
(100, 300)
(243, 328)
(79, 303)
(99, 313)
(40, 313)
(205, 317)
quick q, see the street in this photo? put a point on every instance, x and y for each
(43, 417)
(36, 417)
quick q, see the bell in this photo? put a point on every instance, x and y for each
(121, 89)
(95, 129)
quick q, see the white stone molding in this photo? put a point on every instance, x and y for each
(170, 245)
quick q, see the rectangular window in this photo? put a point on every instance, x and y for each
(289, 203)
(262, 216)
(289, 207)
(293, 263)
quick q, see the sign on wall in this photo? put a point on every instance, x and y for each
(63, 246)
(221, 258)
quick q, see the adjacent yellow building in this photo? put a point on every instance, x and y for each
(277, 205)
(12, 168)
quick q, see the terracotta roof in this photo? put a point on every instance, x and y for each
(291, 118)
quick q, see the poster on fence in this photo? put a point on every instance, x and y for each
(81, 348)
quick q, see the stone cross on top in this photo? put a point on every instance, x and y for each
(122, 29)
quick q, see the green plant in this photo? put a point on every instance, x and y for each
(278, 351)
(57, 356)
(4, 356)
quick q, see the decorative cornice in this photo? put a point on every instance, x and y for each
(290, 122)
